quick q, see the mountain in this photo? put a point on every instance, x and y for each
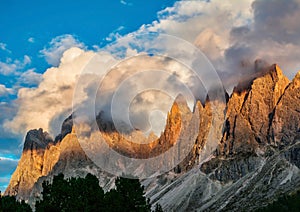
(245, 155)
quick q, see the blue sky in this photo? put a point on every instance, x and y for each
(34, 35)
(27, 27)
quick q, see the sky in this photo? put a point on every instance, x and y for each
(45, 44)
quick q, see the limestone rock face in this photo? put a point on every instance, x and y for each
(40, 155)
(33, 163)
(250, 112)
(285, 125)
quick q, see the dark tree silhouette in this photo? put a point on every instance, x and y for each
(9, 203)
(128, 196)
(288, 203)
(85, 194)
(74, 194)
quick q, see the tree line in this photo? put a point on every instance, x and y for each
(85, 194)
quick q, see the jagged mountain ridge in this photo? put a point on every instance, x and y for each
(259, 143)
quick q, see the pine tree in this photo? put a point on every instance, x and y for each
(9, 203)
(85, 194)
(74, 194)
(128, 196)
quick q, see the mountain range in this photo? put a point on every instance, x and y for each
(249, 160)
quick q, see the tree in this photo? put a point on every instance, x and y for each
(85, 194)
(9, 203)
(128, 196)
(74, 194)
(289, 203)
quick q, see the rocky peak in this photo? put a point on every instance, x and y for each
(217, 95)
(296, 80)
(178, 109)
(37, 139)
(271, 73)
(250, 111)
(32, 164)
(180, 103)
(270, 86)
(66, 128)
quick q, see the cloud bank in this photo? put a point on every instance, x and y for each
(232, 34)
(53, 96)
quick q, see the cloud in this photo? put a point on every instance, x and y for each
(10, 67)
(8, 159)
(187, 19)
(8, 111)
(30, 78)
(57, 46)
(114, 35)
(51, 102)
(31, 40)
(272, 36)
(207, 24)
(125, 3)
(4, 91)
(52, 97)
(232, 35)
(3, 47)
(7, 166)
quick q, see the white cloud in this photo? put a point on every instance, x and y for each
(5, 91)
(57, 46)
(9, 159)
(30, 77)
(187, 19)
(7, 68)
(51, 102)
(31, 40)
(10, 67)
(26, 60)
(231, 33)
(125, 3)
(114, 35)
(3, 47)
(53, 96)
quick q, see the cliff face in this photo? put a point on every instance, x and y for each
(38, 158)
(245, 152)
(249, 114)
(285, 124)
(250, 111)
